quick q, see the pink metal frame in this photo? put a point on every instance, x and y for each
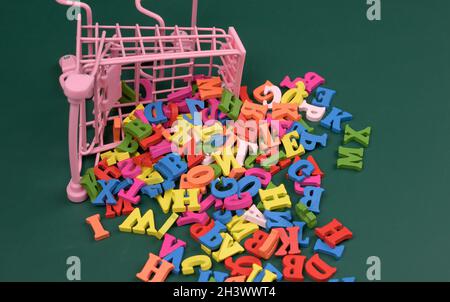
(158, 54)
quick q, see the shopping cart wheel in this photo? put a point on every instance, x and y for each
(76, 193)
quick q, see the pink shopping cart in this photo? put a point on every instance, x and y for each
(155, 62)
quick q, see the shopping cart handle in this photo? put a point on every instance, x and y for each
(148, 13)
(139, 7)
(160, 20)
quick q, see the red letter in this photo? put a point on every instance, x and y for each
(318, 270)
(290, 241)
(333, 233)
(293, 267)
(122, 207)
(242, 265)
(198, 230)
(155, 267)
(253, 243)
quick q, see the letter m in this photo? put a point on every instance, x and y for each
(139, 224)
(350, 158)
(240, 228)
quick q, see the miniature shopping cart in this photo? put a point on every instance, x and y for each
(159, 59)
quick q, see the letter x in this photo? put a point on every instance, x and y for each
(106, 196)
(362, 136)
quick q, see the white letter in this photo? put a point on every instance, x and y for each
(276, 95)
(374, 271)
(74, 271)
(374, 11)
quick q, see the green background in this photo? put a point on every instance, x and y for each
(391, 75)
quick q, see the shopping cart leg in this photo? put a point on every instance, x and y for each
(77, 88)
(75, 192)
